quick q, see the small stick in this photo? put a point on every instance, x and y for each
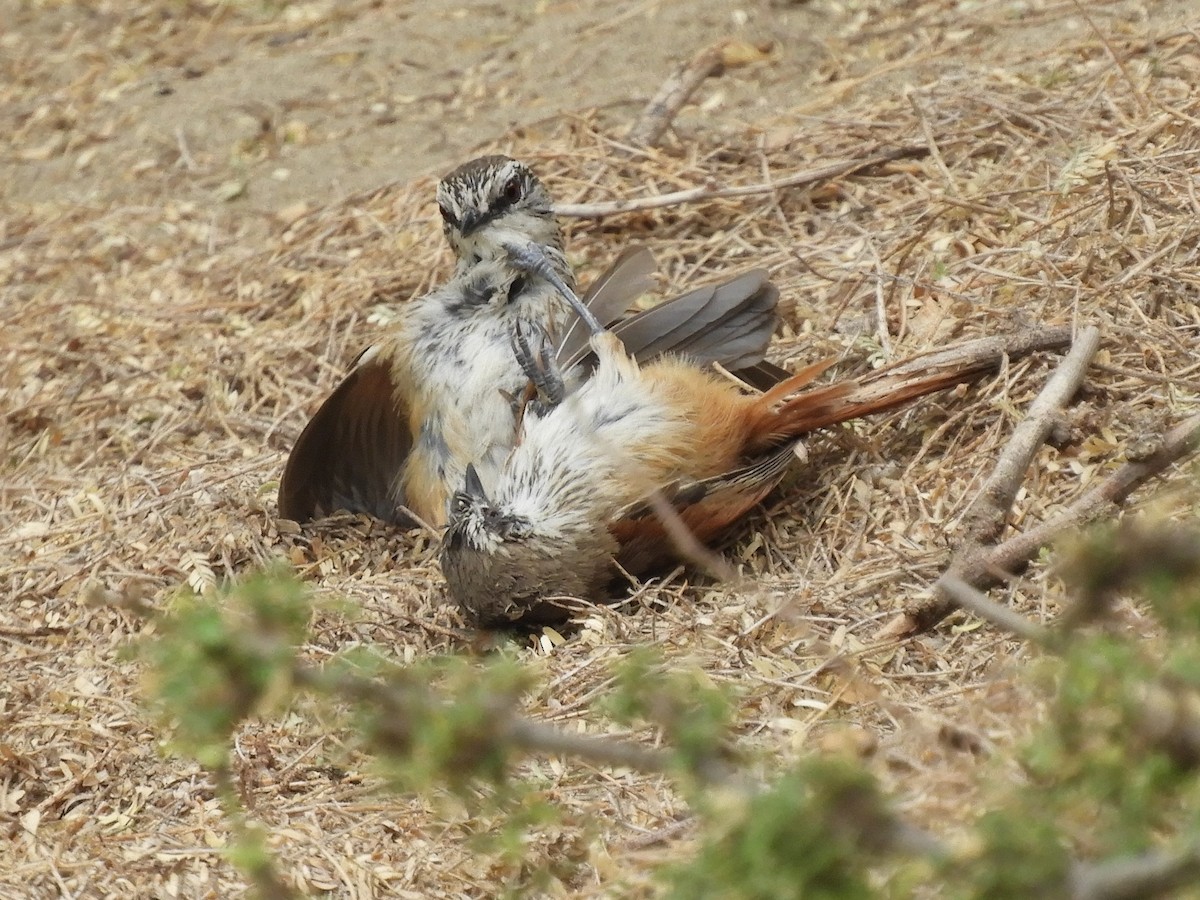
(1151, 377)
(36, 631)
(535, 737)
(973, 600)
(1138, 95)
(418, 521)
(660, 835)
(712, 191)
(1151, 874)
(881, 323)
(1179, 442)
(185, 155)
(656, 118)
(988, 513)
(987, 567)
(927, 131)
(686, 543)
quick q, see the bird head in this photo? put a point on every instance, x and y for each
(478, 526)
(504, 568)
(493, 201)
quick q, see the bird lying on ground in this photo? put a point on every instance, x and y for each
(575, 499)
(439, 390)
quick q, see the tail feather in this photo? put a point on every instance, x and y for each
(793, 383)
(762, 376)
(894, 386)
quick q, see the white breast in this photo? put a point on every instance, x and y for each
(463, 366)
(583, 458)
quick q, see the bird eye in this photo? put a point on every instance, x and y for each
(512, 189)
(459, 504)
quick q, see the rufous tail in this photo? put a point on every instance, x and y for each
(898, 384)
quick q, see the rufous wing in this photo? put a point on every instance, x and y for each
(707, 508)
(350, 455)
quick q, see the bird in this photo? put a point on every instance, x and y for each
(441, 388)
(577, 501)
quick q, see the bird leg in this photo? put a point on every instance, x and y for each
(538, 364)
(530, 258)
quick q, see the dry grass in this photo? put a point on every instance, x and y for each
(154, 376)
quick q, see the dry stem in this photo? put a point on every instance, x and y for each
(713, 192)
(656, 118)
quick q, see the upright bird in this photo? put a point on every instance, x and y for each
(438, 391)
(577, 493)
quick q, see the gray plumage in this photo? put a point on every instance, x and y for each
(440, 390)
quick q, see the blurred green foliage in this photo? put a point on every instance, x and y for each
(1111, 772)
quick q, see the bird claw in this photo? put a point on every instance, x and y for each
(538, 364)
(532, 259)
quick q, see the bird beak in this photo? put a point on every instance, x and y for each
(473, 486)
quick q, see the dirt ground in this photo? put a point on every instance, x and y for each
(138, 102)
(247, 110)
(207, 208)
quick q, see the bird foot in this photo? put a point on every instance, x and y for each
(531, 345)
(530, 258)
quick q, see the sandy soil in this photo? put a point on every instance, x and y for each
(141, 101)
(245, 110)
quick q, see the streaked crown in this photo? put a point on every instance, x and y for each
(501, 567)
(475, 524)
(493, 198)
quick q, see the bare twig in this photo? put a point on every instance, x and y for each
(1179, 442)
(185, 155)
(660, 835)
(534, 737)
(36, 631)
(419, 522)
(397, 699)
(881, 322)
(685, 542)
(972, 600)
(1132, 877)
(713, 191)
(988, 513)
(927, 130)
(989, 566)
(1151, 377)
(1135, 91)
(656, 118)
